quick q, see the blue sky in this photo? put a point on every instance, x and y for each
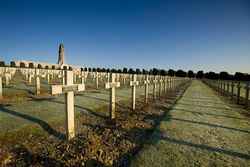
(195, 34)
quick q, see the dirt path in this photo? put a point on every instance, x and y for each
(201, 130)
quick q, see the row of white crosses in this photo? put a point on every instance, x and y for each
(8, 73)
(69, 89)
(224, 88)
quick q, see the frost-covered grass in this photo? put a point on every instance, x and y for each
(18, 110)
(201, 130)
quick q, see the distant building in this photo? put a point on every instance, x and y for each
(31, 64)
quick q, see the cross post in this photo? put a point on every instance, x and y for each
(97, 80)
(247, 94)
(1, 87)
(154, 87)
(146, 83)
(160, 86)
(238, 92)
(38, 85)
(232, 90)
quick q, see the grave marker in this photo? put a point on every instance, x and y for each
(38, 85)
(238, 92)
(133, 83)
(232, 90)
(146, 83)
(160, 86)
(1, 88)
(247, 94)
(68, 89)
(112, 85)
(154, 87)
(97, 80)
(7, 78)
(165, 84)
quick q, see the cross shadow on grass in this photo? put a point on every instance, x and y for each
(211, 125)
(126, 158)
(207, 113)
(44, 125)
(161, 135)
(204, 106)
(85, 109)
(206, 147)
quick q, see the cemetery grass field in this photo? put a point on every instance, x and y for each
(202, 129)
(32, 127)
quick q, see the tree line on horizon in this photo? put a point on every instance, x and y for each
(238, 76)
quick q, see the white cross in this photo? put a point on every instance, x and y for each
(31, 75)
(1, 87)
(38, 85)
(155, 81)
(48, 77)
(160, 86)
(68, 89)
(247, 94)
(97, 80)
(82, 76)
(112, 85)
(165, 84)
(146, 83)
(133, 83)
(7, 78)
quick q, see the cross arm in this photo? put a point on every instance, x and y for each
(134, 83)
(112, 85)
(59, 89)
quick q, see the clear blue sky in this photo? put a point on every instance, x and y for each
(189, 34)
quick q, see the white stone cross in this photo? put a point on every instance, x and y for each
(68, 89)
(170, 83)
(247, 94)
(38, 84)
(31, 75)
(97, 80)
(133, 83)
(48, 77)
(7, 78)
(83, 77)
(112, 85)
(1, 87)
(165, 84)
(155, 81)
(146, 83)
(160, 86)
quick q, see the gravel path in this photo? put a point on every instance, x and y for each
(201, 130)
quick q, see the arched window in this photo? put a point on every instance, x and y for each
(31, 65)
(12, 64)
(22, 64)
(39, 66)
(2, 64)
